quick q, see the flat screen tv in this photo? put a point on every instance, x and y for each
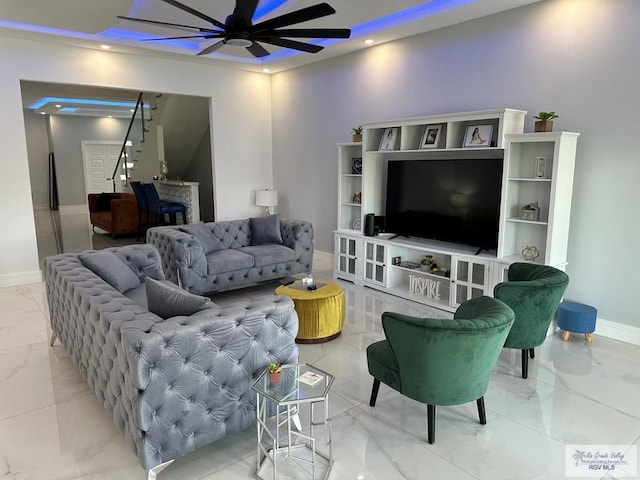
(451, 200)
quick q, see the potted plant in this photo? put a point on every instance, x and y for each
(544, 121)
(274, 372)
(356, 134)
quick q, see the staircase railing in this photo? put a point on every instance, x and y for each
(123, 150)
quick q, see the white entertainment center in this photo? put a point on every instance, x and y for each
(537, 172)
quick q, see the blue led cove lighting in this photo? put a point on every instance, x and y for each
(83, 101)
(368, 28)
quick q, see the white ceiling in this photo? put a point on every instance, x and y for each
(91, 23)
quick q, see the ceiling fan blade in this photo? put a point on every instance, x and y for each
(306, 33)
(167, 24)
(283, 42)
(192, 11)
(245, 10)
(258, 50)
(211, 48)
(204, 35)
(299, 16)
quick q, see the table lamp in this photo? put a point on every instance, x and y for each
(266, 199)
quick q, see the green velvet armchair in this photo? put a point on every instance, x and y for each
(441, 362)
(533, 292)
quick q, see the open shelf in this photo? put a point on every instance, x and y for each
(537, 169)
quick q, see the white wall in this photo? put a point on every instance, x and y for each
(38, 153)
(240, 125)
(577, 57)
(67, 134)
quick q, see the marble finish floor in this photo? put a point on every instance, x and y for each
(52, 427)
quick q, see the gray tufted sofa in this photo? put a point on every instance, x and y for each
(235, 262)
(173, 385)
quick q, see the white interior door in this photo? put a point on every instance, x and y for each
(99, 159)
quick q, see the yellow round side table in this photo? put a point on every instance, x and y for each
(320, 312)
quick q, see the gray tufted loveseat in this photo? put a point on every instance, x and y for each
(189, 260)
(171, 385)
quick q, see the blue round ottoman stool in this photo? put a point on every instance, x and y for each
(576, 318)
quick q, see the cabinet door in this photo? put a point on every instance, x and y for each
(470, 279)
(346, 257)
(375, 265)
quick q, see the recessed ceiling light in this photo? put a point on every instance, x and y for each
(109, 116)
(368, 41)
(265, 70)
(58, 106)
(42, 113)
(105, 47)
(132, 110)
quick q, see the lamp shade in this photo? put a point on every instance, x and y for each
(266, 198)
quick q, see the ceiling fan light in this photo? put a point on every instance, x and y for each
(239, 42)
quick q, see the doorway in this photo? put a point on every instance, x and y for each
(99, 160)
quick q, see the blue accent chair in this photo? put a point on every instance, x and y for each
(160, 207)
(143, 207)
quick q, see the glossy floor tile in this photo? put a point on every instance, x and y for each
(52, 426)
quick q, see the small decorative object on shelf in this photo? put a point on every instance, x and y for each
(356, 165)
(407, 264)
(530, 212)
(396, 260)
(530, 253)
(357, 197)
(544, 121)
(356, 134)
(540, 167)
(428, 264)
(274, 372)
(425, 287)
(357, 224)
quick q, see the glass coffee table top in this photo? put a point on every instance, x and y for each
(294, 384)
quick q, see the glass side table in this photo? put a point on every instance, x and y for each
(285, 397)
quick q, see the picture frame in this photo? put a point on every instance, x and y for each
(431, 136)
(478, 136)
(388, 139)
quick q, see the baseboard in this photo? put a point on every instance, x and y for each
(618, 331)
(22, 278)
(73, 209)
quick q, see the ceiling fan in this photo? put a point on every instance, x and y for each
(239, 31)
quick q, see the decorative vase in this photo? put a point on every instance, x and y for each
(164, 170)
(274, 377)
(543, 126)
(356, 137)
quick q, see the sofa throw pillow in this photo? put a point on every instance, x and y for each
(168, 301)
(111, 269)
(210, 243)
(265, 230)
